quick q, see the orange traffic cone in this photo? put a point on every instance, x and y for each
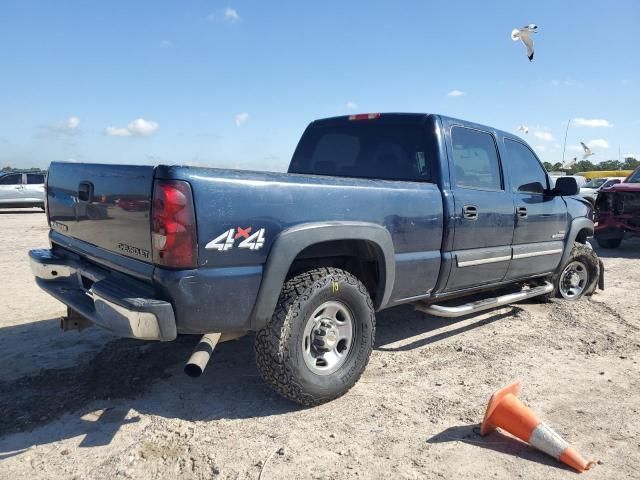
(506, 411)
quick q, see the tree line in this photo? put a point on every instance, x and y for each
(11, 169)
(629, 163)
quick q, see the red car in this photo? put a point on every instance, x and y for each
(618, 212)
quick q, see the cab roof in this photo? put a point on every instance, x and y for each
(409, 118)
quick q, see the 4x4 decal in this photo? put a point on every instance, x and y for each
(226, 241)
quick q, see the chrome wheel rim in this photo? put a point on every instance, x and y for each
(573, 280)
(327, 339)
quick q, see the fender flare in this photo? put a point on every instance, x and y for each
(293, 240)
(577, 225)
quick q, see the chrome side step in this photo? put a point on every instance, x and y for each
(486, 304)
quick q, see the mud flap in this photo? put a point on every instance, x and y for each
(601, 276)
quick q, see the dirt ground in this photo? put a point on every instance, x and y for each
(88, 405)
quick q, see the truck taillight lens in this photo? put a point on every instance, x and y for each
(173, 225)
(46, 199)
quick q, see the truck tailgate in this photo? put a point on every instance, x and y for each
(104, 205)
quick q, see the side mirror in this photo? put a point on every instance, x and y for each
(566, 186)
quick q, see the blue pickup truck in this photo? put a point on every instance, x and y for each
(376, 210)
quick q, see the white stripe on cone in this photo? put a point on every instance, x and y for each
(545, 439)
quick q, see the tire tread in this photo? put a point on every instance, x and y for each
(272, 354)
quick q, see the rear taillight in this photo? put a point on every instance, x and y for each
(46, 199)
(173, 225)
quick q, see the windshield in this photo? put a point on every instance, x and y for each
(595, 183)
(608, 183)
(364, 149)
(635, 177)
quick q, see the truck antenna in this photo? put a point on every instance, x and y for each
(565, 140)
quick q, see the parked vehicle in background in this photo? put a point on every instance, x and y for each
(22, 189)
(617, 212)
(590, 189)
(376, 210)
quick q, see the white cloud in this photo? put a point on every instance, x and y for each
(241, 119)
(68, 127)
(166, 44)
(351, 105)
(455, 93)
(117, 132)
(567, 82)
(142, 127)
(71, 123)
(231, 15)
(598, 143)
(541, 148)
(137, 128)
(593, 122)
(546, 136)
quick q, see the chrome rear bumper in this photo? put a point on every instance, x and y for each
(124, 306)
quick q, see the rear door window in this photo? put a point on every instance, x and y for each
(475, 159)
(35, 178)
(527, 174)
(364, 149)
(11, 179)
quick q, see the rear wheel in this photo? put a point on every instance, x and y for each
(320, 337)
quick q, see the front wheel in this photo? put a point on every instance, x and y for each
(579, 274)
(318, 342)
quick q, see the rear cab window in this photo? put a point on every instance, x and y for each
(475, 159)
(375, 149)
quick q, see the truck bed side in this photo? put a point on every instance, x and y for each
(410, 211)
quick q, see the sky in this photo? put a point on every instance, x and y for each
(234, 83)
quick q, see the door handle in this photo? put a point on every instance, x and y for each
(470, 212)
(522, 212)
(20, 187)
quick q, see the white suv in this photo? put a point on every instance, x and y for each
(590, 189)
(22, 189)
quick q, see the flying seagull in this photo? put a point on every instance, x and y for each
(524, 35)
(523, 128)
(587, 151)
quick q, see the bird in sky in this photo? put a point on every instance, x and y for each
(587, 151)
(524, 34)
(523, 128)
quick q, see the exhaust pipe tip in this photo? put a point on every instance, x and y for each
(201, 355)
(193, 370)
